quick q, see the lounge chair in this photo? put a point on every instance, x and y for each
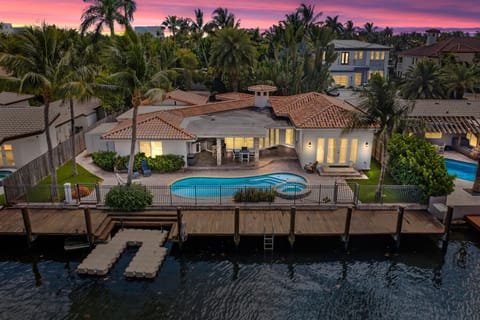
(311, 167)
(136, 174)
(146, 169)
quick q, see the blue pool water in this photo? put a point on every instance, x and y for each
(463, 170)
(5, 173)
(204, 187)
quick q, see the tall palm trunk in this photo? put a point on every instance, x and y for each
(131, 160)
(51, 159)
(74, 151)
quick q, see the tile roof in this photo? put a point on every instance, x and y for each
(161, 125)
(233, 96)
(450, 107)
(7, 98)
(355, 44)
(262, 88)
(80, 109)
(186, 97)
(313, 110)
(216, 107)
(23, 121)
(453, 45)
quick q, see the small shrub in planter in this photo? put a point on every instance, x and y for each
(84, 191)
(104, 159)
(135, 197)
(121, 163)
(254, 195)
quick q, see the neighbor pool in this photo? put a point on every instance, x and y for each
(463, 170)
(205, 187)
(4, 173)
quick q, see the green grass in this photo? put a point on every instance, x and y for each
(41, 192)
(368, 187)
(2, 199)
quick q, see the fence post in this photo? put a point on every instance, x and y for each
(319, 193)
(335, 192)
(355, 194)
(220, 194)
(170, 193)
(236, 235)
(195, 193)
(77, 189)
(291, 235)
(97, 192)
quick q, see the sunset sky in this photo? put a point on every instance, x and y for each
(403, 14)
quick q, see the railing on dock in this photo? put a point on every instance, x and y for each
(223, 195)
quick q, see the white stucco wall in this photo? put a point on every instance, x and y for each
(178, 147)
(308, 154)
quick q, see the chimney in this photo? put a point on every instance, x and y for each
(262, 94)
(432, 36)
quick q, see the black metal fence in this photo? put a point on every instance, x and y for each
(223, 195)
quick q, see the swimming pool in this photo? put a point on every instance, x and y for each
(208, 187)
(463, 170)
(4, 174)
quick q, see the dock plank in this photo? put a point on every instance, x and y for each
(11, 222)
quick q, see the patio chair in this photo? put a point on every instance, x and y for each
(311, 167)
(136, 174)
(146, 169)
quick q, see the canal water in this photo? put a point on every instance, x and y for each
(210, 279)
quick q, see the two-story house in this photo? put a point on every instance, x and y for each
(357, 61)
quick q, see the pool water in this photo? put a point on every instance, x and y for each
(463, 170)
(5, 173)
(207, 187)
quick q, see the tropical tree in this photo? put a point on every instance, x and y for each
(174, 25)
(423, 81)
(459, 77)
(38, 61)
(349, 30)
(129, 8)
(382, 109)
(221, 19)
(307, 15)
(104, 13)
(334, 24)
(198, 31)
(232, 51)
(129, 63)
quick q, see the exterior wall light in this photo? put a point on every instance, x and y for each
(366, 144)
(309, 144)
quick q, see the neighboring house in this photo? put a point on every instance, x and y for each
(156, 31)
(12, 99)
(357, 61)
(22, 134)
(465, 49)
(184, 98)
(6, 28)
(315, 125)
(86, 114)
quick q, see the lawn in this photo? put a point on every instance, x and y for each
(41, 192)
(2, 199)
(392, 193)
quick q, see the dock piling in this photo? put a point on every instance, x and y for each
(447, 221)
(88, 224)
(179, 227)
(398, 231)
(28, 225)
(236, 235)
(346, 233)
(291, 235)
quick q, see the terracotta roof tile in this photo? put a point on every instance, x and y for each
(186, 97)
(216, 107)
(233, 96)
(262, 88)
(162, 125)
(453, 45)
(313, 110)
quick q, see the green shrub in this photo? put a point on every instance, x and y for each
(166, 163)
(104, 159)
(135, 197)
(121, 163)
(254, 195)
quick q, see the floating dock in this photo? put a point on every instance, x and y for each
(146, 262)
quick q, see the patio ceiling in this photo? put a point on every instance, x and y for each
(238, 123)
(448, 124)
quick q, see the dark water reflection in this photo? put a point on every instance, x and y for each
(212, 280)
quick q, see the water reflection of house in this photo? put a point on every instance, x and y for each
(311, 123)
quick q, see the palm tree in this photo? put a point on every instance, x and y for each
(381, 108)
(129, 7)
(198, 31)
(101, 13)
(175, 25)
(334, 24)
(307, 15)
(349, 30)
(39, 61)
(232, 51)
(459, 77)
(129, 62)
(423, 81)
(224, 19)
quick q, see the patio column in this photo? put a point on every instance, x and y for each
(256, 145)
(219, 152)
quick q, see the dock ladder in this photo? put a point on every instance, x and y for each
(268, 241)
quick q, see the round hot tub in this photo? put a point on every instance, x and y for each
(292, 190)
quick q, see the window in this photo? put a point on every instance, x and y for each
(370, 73)
(433, 135)
(358, 55)
(289, 137)
(472, 138)
(358, 79)
(353, 150)
(341, 80)
(239, 142)
(151, 148)
(6, 155)
(344, 57)
(277, 136)
(320, 150)
(324, 56)
(331, 150)
(342, 155)
(377, 55)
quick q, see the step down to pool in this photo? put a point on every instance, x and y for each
(146, 262)
(268, 241)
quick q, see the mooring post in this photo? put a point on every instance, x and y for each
(447, 221)
(28, 225)
(398, 231)
(179, 227)
(346, 233)
(291, 235)
(88, 224)
(236, 235)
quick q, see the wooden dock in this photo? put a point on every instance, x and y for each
(474, 221)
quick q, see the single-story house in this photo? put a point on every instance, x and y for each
(13, 99)
(315, 125)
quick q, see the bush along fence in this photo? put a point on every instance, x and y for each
(221, 195)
